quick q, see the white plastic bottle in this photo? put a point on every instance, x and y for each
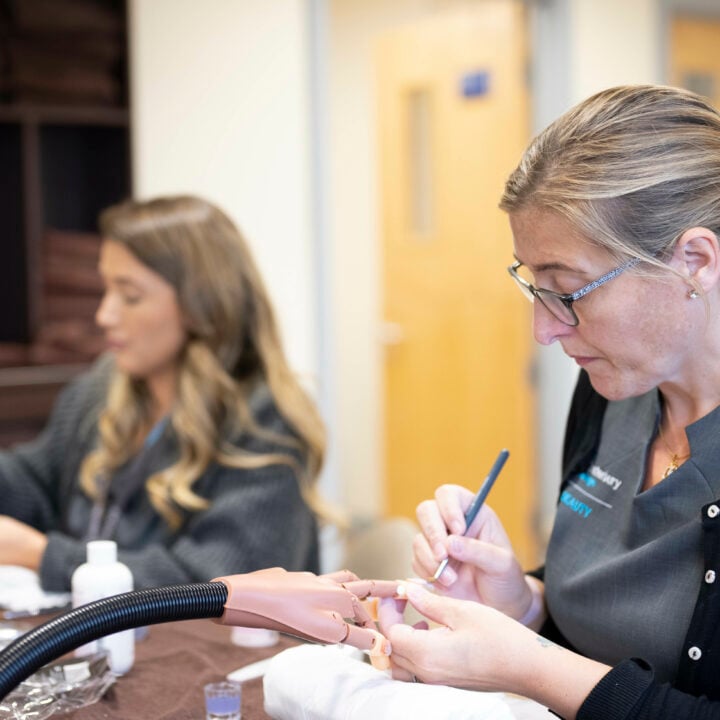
(102, 575)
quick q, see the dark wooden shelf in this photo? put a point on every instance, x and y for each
(38, 375)
(27, 395)
(64, 115)
(64, 157)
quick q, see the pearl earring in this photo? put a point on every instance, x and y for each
(692, 294)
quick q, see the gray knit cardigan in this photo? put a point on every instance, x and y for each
(256, 518)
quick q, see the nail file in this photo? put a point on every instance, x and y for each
(475, 505)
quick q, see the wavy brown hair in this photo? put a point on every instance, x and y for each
(233, 342)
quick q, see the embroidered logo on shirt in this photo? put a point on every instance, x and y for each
(582, 492)
(589, 480)
(577, 506)
(597, 472)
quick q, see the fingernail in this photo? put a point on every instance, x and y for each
(457, 528)
(439, 551)
(413, 591)
(448, 577)
(455, 545)
(422, 582)
(401, 591)
(387, 648)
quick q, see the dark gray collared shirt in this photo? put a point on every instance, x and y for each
(621, 562)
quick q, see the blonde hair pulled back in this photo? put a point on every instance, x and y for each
(630, 168)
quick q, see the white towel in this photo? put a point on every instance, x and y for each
(20, 591)
(317, 682)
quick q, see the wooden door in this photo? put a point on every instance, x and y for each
(694, 60)
(453, 121)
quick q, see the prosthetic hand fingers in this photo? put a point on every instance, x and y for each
(373, 588)
(331, 627)
(358, 625)
(340, 576)
(376, 644)
(364, 613)
(322, 609)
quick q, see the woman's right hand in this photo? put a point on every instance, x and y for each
(483, 566)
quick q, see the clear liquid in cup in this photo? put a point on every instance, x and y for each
(222, 701)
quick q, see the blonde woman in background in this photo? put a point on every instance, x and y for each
(615, 214)
(189, 443)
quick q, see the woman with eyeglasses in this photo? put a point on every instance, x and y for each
(615, 214)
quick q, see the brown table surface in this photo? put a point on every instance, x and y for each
(175, 661)
(171, 666)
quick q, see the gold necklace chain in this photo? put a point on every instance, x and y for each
(675, 459)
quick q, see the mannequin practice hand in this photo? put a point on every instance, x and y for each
(484, 567)
(322, 608)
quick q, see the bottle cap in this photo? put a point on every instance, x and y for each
(101, 552)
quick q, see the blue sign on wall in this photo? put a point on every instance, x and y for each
(475, 84)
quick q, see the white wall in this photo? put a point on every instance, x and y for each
(220, 107)
(613, 42)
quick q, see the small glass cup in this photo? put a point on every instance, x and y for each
(222, 701)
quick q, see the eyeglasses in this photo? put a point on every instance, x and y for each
(560, 305)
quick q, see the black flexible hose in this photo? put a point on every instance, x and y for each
(86, 623)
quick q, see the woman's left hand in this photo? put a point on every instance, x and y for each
(475, 646)
(20, 544)
(479, 647)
